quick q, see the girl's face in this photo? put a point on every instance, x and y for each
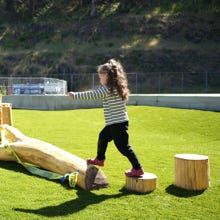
(103, 77)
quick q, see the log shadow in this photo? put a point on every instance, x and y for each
(179, 192)
(18, 168)
(14, 166)
(84, 199)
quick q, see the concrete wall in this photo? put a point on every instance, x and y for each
(51, 102)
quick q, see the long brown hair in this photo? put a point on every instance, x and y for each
(116, 78)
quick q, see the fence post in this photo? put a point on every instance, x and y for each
(93, 80)
(136, 83)
(206, 81)
(159, 82)
(182, 78)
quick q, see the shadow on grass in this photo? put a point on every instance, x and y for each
(85, 198)
(16, 167)
(176, 191)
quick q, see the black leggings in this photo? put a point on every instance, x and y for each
(117, 133)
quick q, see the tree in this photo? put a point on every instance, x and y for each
(93, 8)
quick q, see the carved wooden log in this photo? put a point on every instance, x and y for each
(6, 113)
(143, 184)
(52, 158)
(192, 171)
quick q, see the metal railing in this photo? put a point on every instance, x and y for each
(139, 83)
(153, 82)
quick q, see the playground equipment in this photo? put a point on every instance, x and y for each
(143, 184)
(192, 171)
(50, 157)
(33, 153)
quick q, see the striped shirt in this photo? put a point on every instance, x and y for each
(114, 107)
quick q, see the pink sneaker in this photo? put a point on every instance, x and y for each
(134, 172)
(95, 162)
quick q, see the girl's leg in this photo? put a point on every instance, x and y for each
(104, 138)
(121, 140)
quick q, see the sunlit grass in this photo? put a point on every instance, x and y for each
(156, 134)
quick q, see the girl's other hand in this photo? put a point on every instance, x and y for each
(70, 94)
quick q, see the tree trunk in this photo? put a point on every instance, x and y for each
(93, 9)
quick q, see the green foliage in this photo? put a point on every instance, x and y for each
(146, 35)
(41, 10)
(3, 90)
(156, 134)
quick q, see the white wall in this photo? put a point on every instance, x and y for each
(51, 102)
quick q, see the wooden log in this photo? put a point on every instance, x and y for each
(6, 113)
(192, 171)
(52, 158)
(0, 114)
(143, 184)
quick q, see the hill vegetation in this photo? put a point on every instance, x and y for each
(43, 38)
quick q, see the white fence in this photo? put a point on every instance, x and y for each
(32, 86)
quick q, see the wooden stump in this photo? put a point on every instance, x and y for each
(192, 171)
(0, 98)
(143, 184)
(6, 113)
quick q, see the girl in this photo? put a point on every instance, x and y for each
(114, 93)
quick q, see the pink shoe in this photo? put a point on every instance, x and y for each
(95, 162)
(134, 172)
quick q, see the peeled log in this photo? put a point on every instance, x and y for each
(52, 158)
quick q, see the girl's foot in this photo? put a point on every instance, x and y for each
(134, 172)
(95, 161)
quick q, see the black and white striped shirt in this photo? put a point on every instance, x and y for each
(114, 107)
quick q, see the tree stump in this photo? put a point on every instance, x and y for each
(143, 184)
(192, 171)
(6, 113)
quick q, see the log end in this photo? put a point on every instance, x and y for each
(95, 178)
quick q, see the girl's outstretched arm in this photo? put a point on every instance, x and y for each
(99, 93)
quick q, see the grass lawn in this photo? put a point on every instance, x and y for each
(156, 134)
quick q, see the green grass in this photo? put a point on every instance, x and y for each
(156, 134)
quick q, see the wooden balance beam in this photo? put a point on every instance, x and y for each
(50, 157)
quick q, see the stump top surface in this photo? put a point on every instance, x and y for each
(191, 156)
(146, 176)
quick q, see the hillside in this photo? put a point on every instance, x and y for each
(144, 42)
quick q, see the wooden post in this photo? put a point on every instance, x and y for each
(0, 109)
(6, 113)
(143, 184)
(192, 171)
(1, 115)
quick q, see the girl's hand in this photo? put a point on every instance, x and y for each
(70, 94)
